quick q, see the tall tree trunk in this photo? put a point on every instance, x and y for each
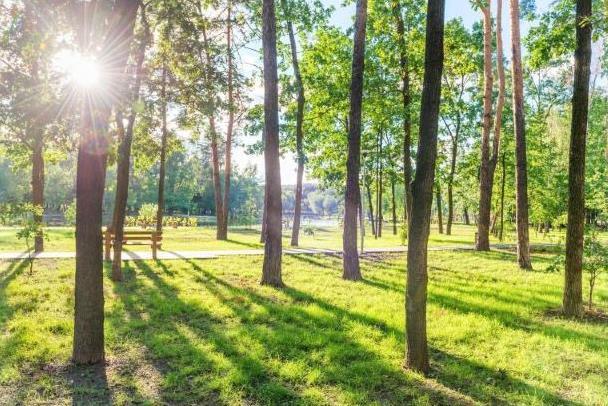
(230, 128)
(38, 184)
(439, 208)
(380, 216)
(353, 164)
(393, 204)
(215, 155)
(124, 160)
(295, 232)
(422, 191)
(521, 166)
(163, 152)
(485, 180)
(502, 199)
(34, 128)
(361, 222)
(405, 93)
(454, 155)
(271, 272)
(90, 181)
(371, 208)
(573, 286)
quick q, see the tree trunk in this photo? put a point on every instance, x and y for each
(485, 178)
(123, 165)
(502, 199)
(271, 272)
(349, 239)
(379, 217)
(90, 180)
(371, 208)
(521, 167)
(394, 205)
(454, 155)
(361, 222)
(215, 158)
(405, 93)
(422, 191)
(38, 184)
(230, 128)
(163, 152)
(439, 208)
(295, 232)
(467, 220)
(573, 290)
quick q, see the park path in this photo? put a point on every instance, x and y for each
(176, 255)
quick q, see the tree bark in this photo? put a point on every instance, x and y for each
(230, 127)
(502, 199)
(163, 152)
(295, 232)
(271, 272)
(439, 208)
(393, 205)
(380, 187)
(90, 181)
(521, 166)
(349, 238)
(215, 158)
(371, 208)
(422, 191)
(124, 161)
(406, 96)
(467, 220)
(573, 290)
(38, 184)
(485, 178)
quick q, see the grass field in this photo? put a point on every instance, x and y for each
(206, 332)
(203, 238)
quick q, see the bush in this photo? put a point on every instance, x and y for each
(147, 215)
(69, 213)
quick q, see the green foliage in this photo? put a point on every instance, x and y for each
(69, 213)
(29, 227)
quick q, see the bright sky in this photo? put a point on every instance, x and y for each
(343, 17)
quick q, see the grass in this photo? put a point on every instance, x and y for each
(203, 238)
(206, 332)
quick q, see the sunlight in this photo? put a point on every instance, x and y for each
(80, 70)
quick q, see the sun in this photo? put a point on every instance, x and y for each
(81, 71)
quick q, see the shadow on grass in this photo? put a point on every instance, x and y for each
(353, 364)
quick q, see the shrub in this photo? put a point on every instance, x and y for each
(69, 213)
(147, 215)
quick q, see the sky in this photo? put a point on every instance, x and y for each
(343, 17)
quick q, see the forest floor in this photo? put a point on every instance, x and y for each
(206, 332)
(61, 239)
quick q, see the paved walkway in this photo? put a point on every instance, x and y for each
(176, 255)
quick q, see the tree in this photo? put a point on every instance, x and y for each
(295, 231)
(521, 165)
(124, 151)
(271, 271)
(459, 112)
(573, 291)
(407, 102)
(488, 161)
(30, 111)
(91, 169)
(353, 193)
(422, 192)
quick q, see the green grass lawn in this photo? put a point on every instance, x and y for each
(206, 332)
(203, 238)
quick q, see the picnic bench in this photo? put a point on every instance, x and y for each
(152, 238)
